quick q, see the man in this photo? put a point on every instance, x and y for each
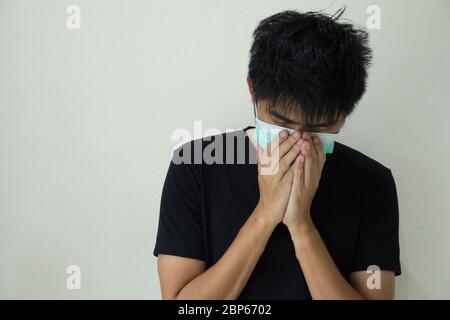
(311, 215)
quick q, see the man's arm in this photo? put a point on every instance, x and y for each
(183, 278)
(324, 278)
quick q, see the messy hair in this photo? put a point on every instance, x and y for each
(309, 63)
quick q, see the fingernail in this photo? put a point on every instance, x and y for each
(283, 134)
(296, 135)
(316, 140)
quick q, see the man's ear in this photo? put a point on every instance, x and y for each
(250, 89)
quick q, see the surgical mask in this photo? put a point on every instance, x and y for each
(266, 132)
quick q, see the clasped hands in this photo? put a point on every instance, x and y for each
(289, 171)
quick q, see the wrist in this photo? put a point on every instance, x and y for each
(264, 217)
(302, 227)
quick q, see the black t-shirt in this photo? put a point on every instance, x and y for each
(205, 203)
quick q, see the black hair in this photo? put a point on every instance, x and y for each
(309, 63)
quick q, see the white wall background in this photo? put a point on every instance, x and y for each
(86, 118)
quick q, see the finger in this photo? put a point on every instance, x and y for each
(299, 170)
(275, 143)
(314, 154)
(319, 150)
(288, 177)
(286, 145)
(289, 158)
(264, 154)
(309, 165)
(306, 135)
(277, 152)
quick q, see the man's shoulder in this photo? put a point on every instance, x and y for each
(357, 162)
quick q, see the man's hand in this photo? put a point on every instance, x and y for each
(307, 172)
(276, 175)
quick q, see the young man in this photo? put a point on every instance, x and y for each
(299, 216)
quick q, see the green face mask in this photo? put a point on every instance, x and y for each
(266, 132)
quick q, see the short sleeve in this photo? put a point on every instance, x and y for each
(180, 231)
(378, 237)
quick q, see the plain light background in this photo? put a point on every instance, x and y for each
(86, 118)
